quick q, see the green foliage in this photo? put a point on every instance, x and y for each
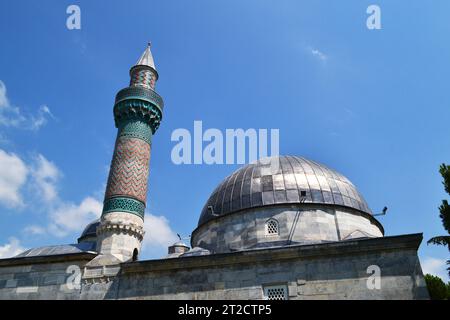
(437, 289)
(444, 207)
(440, 240)
(444, 170)
(444, 210)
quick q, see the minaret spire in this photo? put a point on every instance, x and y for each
(144, 73)
(137, 114)
(146, 58)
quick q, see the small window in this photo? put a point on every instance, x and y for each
(272, 227)
(275, 292)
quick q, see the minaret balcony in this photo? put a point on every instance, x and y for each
(138, 109)
(141, 94)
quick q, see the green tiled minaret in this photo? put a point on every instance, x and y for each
(137, 114)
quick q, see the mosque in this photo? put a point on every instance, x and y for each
(285, 229)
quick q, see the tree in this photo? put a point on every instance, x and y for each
(444, 209)
(437, 289)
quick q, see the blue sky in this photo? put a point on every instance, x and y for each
(373, 104)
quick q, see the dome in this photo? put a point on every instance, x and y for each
(285, 201)
(90, 232)
(296, 180)
(177, 249)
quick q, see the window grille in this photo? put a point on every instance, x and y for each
(272, 227)
(275, 292)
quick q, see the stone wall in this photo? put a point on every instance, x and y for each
(42, 277)
(324, 271)
(305, 224)
(336, 270)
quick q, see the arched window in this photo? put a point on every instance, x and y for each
(272, 227)
(135, 254)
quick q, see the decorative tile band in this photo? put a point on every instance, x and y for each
(124, 204)
(143, 77)
(137, 110)
(136, 129)
(128, 175)
(140, 93)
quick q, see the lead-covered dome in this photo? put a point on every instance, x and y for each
(296, 180)
(89, 233)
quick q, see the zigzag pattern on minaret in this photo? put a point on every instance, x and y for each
(129, 169)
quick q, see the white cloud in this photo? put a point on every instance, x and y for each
(36, 122)
(46, 175)
(34, 230)
(158, 235)
(4, 102)
(317, 53)
(69, 217)
(11, 249)
(9, 115)
(13, 174)
(66, 217)
(436, 267)
(12, 116)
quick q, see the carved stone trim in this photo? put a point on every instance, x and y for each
(132, 230)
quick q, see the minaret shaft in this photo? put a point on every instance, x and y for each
(128, 176)
(137, 114)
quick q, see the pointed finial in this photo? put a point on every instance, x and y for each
(147, 59)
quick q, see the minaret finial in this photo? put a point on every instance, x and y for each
(146, 58)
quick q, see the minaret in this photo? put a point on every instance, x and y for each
(137, 114)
